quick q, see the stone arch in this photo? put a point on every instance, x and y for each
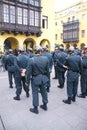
(11, 43)
(67, 46)
(75, 45)
(29, 42)
(82, 45)
(46, 43)
(62, 45)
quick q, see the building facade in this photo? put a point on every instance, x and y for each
(26, 23)
(71, 25)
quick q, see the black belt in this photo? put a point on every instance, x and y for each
(10, 65)
(74, 71)
(38, 75)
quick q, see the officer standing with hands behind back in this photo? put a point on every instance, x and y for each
(74, 65)
(10, 66)
(84, 74)
(38, 68)
(20, 65)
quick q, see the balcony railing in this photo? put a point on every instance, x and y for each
(17, 28)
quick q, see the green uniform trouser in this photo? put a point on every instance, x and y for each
(35, 93)
(20, 81)
(61, 78)
(11, 75)
(84, 84)
(72, 83)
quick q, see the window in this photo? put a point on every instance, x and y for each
(83, 16)
(34, 18)
(71, 31)
(25, 16)
(73, 18)
(20, 0)
(12, 14)
(19, 15)
(83, 33)
(69, 34)
(32, 2)
(56, 23)
(69, 19)
(65, 35)
(37, 18)
(56, 36)
(37, 3)
(62, 22)
(6, 13)
(31, 19)
(24, 1)
(75, 34)
(44, 22)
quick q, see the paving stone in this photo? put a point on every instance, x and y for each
(60, 116)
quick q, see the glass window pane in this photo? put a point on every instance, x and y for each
(12, 14)
(6, 13)
(36, 3)
(19, 15)
(36, 18)
(24, 1)
(31, 17)
(25, 16)
(32, 2)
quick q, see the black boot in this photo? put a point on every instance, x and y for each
(34, 110)
(27, 94)
(55, 78)
(59, 86)
(48, 90)
(10, 86)
(73, 98)
(86, 93)
(82, 95)
(44, 106)
(17, 97)
(67, 101)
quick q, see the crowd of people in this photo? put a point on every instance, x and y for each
(35, 68)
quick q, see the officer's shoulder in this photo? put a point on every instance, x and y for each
(44, 57)
(31, 60)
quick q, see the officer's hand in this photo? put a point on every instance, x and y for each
(26, 84)
(23, 70)
(65, 67)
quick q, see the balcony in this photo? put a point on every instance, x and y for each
(19, 29)
(71, 31)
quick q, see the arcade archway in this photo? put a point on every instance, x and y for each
(82, 45)
(11, 43)
(46, 43)
(29, 43)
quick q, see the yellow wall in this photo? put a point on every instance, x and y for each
(47, 36)
(48, 10)
(76, 10)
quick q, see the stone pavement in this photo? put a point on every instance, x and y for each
(60, 116)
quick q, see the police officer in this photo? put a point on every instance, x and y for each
(3, 60)
(77, 51)
(38, 68)
(74, 66)
(50, 59)
(10, 67)
(54, 56)
(61, 58)
(21, 64)
(84, 74)
(30, 52)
